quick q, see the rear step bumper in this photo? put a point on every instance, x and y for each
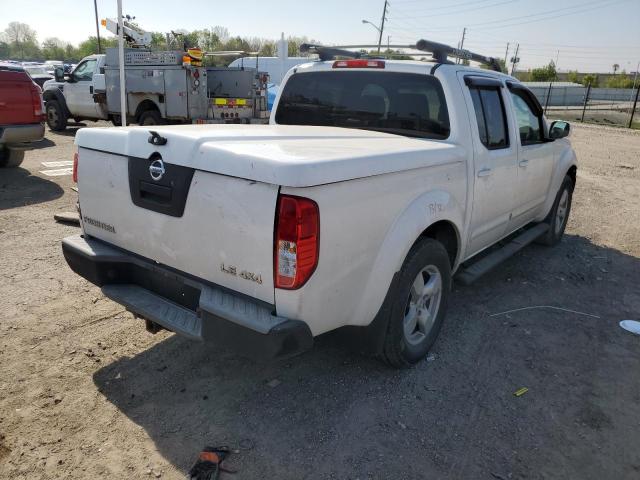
(186, 305)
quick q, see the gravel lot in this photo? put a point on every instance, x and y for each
(86, 392)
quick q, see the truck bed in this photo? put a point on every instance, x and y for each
(294, 156)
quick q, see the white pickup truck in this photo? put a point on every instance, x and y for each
(374, 182)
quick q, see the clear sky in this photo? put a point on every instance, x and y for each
(590, 35)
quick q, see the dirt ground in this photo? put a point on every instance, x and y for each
(86, 392)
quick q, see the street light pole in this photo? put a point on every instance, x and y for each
(95, 7)
(373, 25)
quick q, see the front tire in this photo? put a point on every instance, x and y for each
(559, 215)
(56, 116)
(419, 304)
(10, 158)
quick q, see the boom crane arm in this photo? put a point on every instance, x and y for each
(134, 35)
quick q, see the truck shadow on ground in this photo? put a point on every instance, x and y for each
(44, 143)
(70, 131)
(334, 413)
(19, 188)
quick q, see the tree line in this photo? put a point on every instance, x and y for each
(548, 73)
(20, 42)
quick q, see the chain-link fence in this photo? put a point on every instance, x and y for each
(604, 106)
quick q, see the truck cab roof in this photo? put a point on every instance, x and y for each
(407, 66)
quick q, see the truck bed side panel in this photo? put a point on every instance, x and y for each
(364, 238)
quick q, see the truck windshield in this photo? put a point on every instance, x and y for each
(401, 103)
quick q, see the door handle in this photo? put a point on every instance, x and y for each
(91, 89)
(485, 172)
(523, 163)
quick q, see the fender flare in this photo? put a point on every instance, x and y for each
(420, 214)
(566, 160)
(56, 94)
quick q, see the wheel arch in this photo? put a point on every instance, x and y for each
(144, 106)
(57, 95)
(573, 174)
(566, 164)
(445, 232)
(435, 214)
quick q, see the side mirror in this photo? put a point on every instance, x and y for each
(559, 129)
(58, 73)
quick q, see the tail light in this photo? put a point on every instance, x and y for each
(297, 241)
(358, 64)
(75, 167)
(36, 103)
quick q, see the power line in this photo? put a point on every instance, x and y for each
(502, 2)
(548, 15)
(400, 2)
(552, 17)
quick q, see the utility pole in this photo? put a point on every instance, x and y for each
(506, 57)
(384, 17)
(464, 33)
(515, 59)
(95, 7)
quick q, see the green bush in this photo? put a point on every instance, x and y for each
(544, 74)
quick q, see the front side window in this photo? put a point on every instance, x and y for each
(400, 103)
(85, 70)
(529, 124)
(490, 115)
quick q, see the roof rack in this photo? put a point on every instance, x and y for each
(439, 52)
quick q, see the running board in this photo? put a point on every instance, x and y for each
(474, 271)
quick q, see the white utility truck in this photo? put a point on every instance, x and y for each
(161, 87)
(374, 183)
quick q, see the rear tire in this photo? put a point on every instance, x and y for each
(56, 116)
(419, 304)
(150, 117)
(559, 215)
(10, 158)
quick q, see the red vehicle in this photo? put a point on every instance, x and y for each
(21, 114)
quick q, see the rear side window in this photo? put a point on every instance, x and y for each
(529, 124)
(490, 115)
(401, 103)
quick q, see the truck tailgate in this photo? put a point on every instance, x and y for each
(214, 227)
(16, 106)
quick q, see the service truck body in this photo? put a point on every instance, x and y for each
(272, 234)
(160, 89)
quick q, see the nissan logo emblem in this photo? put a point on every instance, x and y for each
(156, 169)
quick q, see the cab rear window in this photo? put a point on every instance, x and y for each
(400, 103)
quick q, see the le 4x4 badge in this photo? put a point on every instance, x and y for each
(232, 270)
